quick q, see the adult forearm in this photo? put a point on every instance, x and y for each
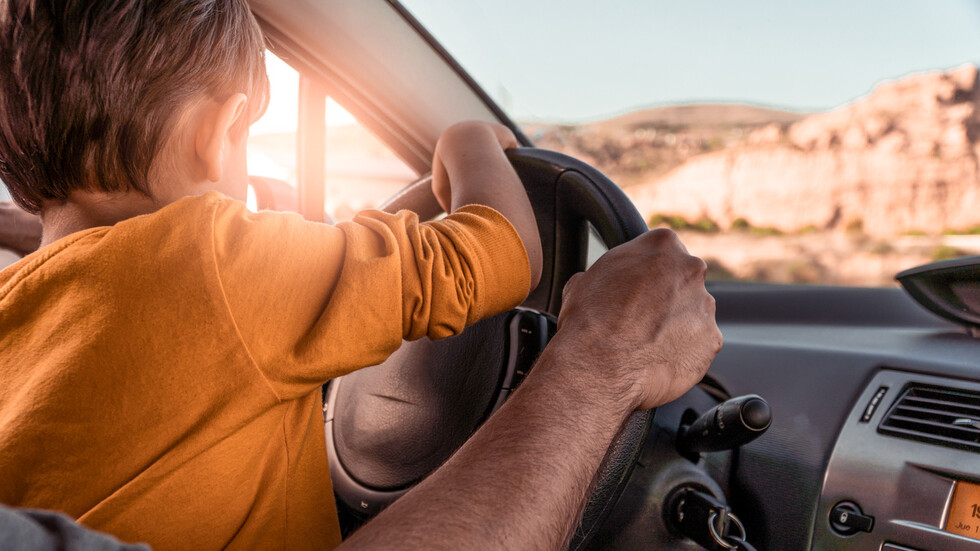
(636, 331)
(521, 481)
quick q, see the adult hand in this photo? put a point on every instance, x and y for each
(20, 231)
(635, 331)
(643, 314)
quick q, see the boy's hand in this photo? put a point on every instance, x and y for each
(469, 168)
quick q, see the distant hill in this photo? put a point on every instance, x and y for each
(709, 115)
(649, 142)
(904, 159)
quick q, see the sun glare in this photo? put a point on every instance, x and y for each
(360, 170)
(281, 116)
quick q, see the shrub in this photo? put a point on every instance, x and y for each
(762, 232)
(741, 224)
(671, 221)
(855, 225)
(676, 223)
(881, 247)
(975, 230)
(945, 252)
(705, 225)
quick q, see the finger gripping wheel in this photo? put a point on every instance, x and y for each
(568, 198)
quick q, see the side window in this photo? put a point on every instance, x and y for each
(272, 138)
(359, 171)
(6, 257)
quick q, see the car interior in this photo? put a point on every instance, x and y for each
(835, 417)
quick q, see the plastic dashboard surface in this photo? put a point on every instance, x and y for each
(815, 353)
(904, 484)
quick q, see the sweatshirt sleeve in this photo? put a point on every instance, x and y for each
(313, 301)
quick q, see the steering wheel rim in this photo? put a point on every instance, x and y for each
(568, 196)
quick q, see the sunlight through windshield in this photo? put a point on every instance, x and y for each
(831, 142)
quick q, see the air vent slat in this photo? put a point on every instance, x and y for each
(948, 395)
(927, 414)
(968, 432)
(943, 405)
(941, 440)
(931, 413)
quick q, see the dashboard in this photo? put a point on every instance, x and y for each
(901, 470)
(864, 385)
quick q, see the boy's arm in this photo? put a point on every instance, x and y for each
(334, 299)
(20, 231)
(469, 167)
(311, 301)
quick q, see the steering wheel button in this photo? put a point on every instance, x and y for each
(528, 337)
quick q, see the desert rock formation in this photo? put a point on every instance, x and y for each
(903, 159)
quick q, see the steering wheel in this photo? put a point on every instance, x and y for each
(389, 426)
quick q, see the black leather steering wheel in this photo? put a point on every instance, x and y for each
(390, 425)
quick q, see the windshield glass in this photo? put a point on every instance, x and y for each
(832, 142)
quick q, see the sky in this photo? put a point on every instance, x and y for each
(576, 60)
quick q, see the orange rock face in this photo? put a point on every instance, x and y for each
(903, 159)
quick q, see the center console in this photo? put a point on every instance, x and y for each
(905, 472)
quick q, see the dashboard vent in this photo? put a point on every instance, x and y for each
(938, 415)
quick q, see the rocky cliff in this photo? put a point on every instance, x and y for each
(644, 144)
(901, 160)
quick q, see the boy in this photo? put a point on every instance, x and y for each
(161, 355)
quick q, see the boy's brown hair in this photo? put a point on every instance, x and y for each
(91, 90)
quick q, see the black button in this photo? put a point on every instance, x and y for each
(846, 519)
(527, 340)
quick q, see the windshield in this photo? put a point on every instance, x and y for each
(832, 142)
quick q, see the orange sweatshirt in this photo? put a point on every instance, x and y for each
(159, 379)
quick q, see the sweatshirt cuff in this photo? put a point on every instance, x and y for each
(499, 260)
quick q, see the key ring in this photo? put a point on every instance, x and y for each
(720, 540)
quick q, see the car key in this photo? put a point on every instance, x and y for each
(705, 520)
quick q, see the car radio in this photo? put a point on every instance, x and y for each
(964, 510)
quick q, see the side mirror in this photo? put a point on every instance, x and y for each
(949, 289)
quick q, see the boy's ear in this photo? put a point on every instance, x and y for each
(212, 130)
